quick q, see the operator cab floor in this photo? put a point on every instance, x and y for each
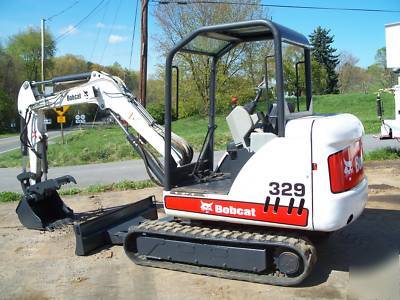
(219, 186)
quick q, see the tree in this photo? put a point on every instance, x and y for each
(176, 21)
(380, 57)
(388, 78)
(292, 55)
(7, 111)
(69, 64)
(9, 86)
(25, 47)
(324, 54)
(351, 77)
(319, 77)
(9, 81)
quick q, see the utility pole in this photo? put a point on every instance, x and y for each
(143, 53)
(42, 46)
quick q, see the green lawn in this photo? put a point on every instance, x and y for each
(82, 147)
(97, 188)
(109, 144)
(361, 105)
(6, 135)
(383, 154)
(9, 196)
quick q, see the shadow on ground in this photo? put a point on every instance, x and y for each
(370, 241)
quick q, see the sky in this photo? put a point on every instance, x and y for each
(105, 36)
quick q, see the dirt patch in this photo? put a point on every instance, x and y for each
(381, 187)
(382, 164)
(42, 265)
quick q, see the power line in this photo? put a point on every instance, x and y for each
(278, 6)
(99, 29)
(62, 11)
(61, 36)
(133, 34)
(111, 30)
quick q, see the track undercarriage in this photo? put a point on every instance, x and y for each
(254, 255)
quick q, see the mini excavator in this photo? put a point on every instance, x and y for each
(286, 174)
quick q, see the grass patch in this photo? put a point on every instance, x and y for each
(100, 145)
(9, 196)
(383, 154)
(6, 135)
(101, 188)
(361, 105)
(10, 159)
(194, 130)
(98, 188)
(95, 145)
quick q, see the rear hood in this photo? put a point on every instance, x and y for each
(337, 131)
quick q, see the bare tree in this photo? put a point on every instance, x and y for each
(177, 21)
(351, 77)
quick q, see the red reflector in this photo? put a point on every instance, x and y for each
(314, 166)
(346, 168)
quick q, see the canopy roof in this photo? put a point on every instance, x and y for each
(215, 40)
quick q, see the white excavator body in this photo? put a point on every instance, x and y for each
(311, 179)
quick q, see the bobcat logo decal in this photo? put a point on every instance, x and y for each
(348, 167)
(206, 207)
(359, 163)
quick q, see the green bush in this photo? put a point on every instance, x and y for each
(101, 188)
(383, 154)
(9, 196)
(157, 110)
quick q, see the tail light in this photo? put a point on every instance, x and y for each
(346, 168)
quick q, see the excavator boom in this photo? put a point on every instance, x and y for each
(41, 206)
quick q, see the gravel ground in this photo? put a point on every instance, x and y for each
(42, 265)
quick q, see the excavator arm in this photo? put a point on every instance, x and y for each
(41, 206)
(108, 93)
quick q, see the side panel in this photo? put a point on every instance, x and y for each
(239, 210)
(274, 188)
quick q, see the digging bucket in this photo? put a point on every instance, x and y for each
(41, 207)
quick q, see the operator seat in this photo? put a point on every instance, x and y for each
(241, 124)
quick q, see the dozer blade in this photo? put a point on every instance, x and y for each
(111, 228)
(41, 207)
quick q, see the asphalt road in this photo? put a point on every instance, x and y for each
(86, 175)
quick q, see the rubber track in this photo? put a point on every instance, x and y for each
(291, 241)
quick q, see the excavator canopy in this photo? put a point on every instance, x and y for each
(214, 40)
